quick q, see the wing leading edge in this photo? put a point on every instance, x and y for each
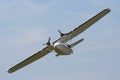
(31, 59)
(86, 25)
(71, 35)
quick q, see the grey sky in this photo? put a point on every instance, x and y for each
(27, 24)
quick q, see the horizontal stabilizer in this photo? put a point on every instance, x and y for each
(75, 43)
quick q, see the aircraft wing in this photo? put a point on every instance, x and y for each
(31, 59)
(71, 35)
(85, 25)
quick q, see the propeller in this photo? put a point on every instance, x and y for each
(48, 42)
(61, 34)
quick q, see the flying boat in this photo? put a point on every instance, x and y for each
(60, 46)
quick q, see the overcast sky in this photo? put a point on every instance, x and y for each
(26, 24)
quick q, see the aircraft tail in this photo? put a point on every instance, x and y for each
(75, 43)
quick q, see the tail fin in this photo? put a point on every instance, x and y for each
(75, 43)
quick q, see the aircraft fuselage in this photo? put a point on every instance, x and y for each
(62, 49)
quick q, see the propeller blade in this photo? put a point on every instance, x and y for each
(49, 39)
(59, 31)
(61, 34)
(48, 43)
